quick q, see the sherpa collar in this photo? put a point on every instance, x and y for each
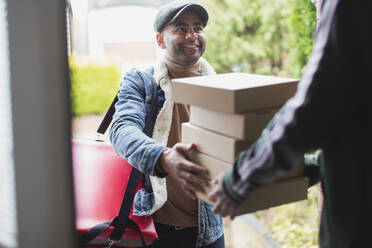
(164, 120)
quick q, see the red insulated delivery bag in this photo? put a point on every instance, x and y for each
(100, 182)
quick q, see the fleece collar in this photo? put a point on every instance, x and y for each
(164, 120)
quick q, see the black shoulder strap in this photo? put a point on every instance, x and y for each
(108, 117)
(121, 221)
(149, 116)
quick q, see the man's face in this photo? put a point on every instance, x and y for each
(183, 40)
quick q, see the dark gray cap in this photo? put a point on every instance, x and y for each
(169, 13)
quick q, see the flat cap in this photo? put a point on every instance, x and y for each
(169, 13)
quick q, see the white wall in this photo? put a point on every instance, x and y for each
(119, 24)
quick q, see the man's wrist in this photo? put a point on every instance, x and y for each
(161, 161)
(227, 185)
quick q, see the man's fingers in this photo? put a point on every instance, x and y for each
(190, 147)
(194, 178)
(184, 148)
(220, 208)
(189, 192)
(196, 169)
(194, 187)
(217, 191)
(224, 209)
(234, 213)
(188, 165)
(213, 195)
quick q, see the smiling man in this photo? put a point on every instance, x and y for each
(184, 40)
(180, 219)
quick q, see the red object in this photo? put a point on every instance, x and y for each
(100, 180)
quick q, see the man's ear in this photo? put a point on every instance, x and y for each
(160, 40)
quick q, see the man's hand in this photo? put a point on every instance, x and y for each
(223, 205)
(192, 177)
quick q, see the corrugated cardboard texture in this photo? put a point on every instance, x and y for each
(272, 195)
(290, 187)
(247, 126)
(213, 144)
(234, 92)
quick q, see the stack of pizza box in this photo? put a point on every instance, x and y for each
(228, 112)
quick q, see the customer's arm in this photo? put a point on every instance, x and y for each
(126, 133)
(144, 153)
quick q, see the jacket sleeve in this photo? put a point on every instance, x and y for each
(312, 167)
(317, 114)
(126, 133)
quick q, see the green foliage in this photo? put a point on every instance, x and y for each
(93, 87)
(246, 36)
(260, 36)
(301, 29)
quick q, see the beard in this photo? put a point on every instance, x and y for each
(187, 53)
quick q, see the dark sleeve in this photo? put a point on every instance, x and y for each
(312, 167)
(310, 119)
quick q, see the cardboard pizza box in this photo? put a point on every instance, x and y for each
(214, 144)
(216, 166)
(288, 188)
(234, 92)
(246, 126)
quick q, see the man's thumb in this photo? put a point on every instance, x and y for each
(185, 147)
(190, 146)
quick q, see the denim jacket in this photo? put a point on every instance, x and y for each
(142, 152)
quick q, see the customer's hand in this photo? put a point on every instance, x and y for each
(192, 177)
(223, 205)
